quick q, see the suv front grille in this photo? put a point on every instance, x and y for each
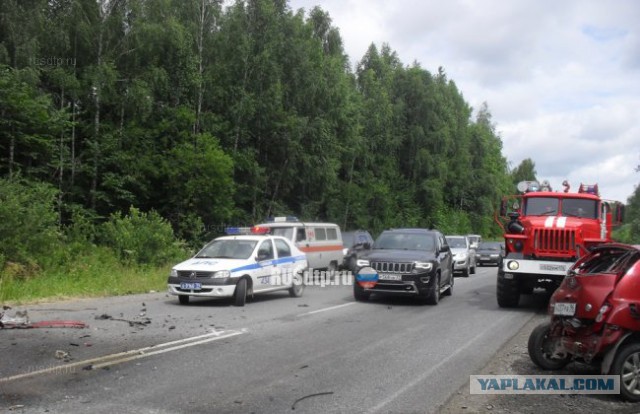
(190, 274)
(392, 267)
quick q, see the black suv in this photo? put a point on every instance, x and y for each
(355, 244)
(413, 262)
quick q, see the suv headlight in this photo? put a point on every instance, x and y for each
(174, 273)
(462, 256)
(422, 267)
(362, 263)
(221, 274)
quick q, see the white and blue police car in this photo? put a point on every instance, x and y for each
(246, 262)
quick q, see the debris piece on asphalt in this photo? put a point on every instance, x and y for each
(293, 407)
(21, 321)
(131, 322)
(172, 327)
(64, 355)
(74, 344)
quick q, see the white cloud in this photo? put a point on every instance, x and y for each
(562, 78)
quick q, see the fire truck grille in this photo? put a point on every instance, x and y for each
(554, 242)
(391, 267)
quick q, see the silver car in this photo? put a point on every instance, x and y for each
(464, 257)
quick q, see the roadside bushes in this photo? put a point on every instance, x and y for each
(28, 225)
(142, 238)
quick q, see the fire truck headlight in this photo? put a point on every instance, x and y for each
(513, 265)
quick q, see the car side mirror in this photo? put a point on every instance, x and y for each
(445, 249)
(366, 245)
(261, 256)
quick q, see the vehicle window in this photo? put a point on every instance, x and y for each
(265, 252)
(541, 206)
(282, 248)
(490, 246)
(457, 242)
(227, 249)
(301, 234)
(608, 261)
(332, 234)
(405, 241)
(577, 207)
(348, 239)
(286, 232)
(362, 239)
(321, 234)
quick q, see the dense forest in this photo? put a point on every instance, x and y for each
(193, 116)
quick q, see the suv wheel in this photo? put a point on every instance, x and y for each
(360, 294)
(433, 294)
(449, 291)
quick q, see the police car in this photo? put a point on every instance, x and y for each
(246, 262)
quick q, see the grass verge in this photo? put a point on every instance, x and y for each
(94, 274)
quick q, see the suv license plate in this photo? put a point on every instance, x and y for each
(191, 285)
(387, 276)
(564, 309)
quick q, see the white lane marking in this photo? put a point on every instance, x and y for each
(328, 309)
(131, 355)
(427, 373)
(549, 221)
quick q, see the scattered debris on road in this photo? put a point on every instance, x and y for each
(21, 321)
(293, 407)
(142, 322)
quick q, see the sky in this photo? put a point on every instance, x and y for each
(561, 78)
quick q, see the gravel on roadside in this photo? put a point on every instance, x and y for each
(513, 358)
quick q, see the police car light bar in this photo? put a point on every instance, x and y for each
(237, 231)
(282, 219)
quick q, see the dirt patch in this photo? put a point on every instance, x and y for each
(513, 358)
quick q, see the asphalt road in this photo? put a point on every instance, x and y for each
(321, 353)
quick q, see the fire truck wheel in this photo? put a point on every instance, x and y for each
(507, 292)
(626, 364)
(539, 352)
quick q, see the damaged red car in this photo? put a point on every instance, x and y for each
(595, 318)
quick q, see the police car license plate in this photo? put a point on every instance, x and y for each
(388, 276)
(564, 309)
(191, 285)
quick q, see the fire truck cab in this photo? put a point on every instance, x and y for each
(545, 232)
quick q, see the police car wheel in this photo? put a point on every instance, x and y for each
(184, 299)
(240, 295)
(296, 290)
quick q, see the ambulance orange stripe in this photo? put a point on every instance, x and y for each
(310, 249)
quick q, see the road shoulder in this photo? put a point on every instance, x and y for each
(513, 358)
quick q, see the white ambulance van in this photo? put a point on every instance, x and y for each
(321, 242)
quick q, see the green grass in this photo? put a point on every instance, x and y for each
(94, 274)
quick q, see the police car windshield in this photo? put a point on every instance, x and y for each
(228, 249)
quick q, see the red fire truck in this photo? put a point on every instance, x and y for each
(545, 232)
